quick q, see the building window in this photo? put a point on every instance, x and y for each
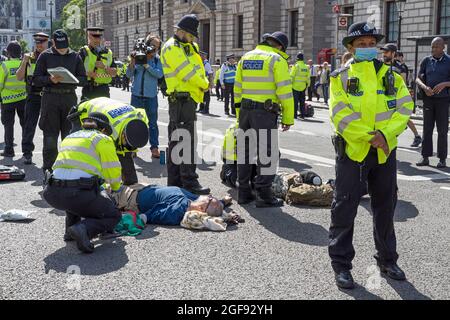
(239, 31)
(116, 46)
(149, 10)
(117, 17)
(444, 17)
(161, 9)
(42, 5)
(391, 22)
(293, 28)
(137, 12)
(349, 10)
(126, 45)
(126, 14)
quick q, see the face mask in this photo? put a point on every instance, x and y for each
(366, 54)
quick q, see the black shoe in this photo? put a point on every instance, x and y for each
(198, 189)
(424, 162)
(227, 113)
(79, 233)
(266, 199)
(7, 154)
(67, 237)
(344, 280)
(28, 160)
(245, 197)
(417, 141)
(442, 164)
(393, 271)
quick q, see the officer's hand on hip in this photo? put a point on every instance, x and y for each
(285, 127)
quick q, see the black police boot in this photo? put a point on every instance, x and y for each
(79, 233)
(442, 164)
(7, 154)
(198, 189)
(67, 237)
(424, 162)
(266, 199)
(245, 196)
(393, 271)
(344, 279)
(28, 159)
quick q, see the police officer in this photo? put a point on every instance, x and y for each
(186, 85)
(99, 64)
(227, 78)
(87, 159)
(263, 89)
(130, 129)
(13, 96)
(33, 103)
(58, 98)
(125, 79)
(300, 82)
(370, 106)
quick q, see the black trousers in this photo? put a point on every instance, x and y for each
(229, 97)
(182, 132)
(435, 110)
(129, 175)
(299, 103)
(92, 92)
(204, 107)
(126, 83)
(351, 179)
(219, 93)
(98, 210)
(8, 116)
(53, 121)
(260, 122)
(312, 89)
(32, 111)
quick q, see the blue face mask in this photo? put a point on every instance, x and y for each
(366, 54)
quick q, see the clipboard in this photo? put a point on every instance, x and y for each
(67, 76)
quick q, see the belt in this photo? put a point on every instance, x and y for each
(101, 84)
(59, 91)
(86, 183)
(37, 93)
(252, 105)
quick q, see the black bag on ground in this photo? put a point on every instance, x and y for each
(11, 173)
(309, 110)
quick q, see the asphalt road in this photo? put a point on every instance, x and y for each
(275, 254)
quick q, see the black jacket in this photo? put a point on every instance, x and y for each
(49, 59)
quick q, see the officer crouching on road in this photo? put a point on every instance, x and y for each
(34, 93)
(263, 90)
(130, 129)
(186, 85)
(87, 159)
(370, 107)
(99, 64)
(58, 98)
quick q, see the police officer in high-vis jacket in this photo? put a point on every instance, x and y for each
(369, 107)
(186, 84)
(13, 96)
(300, 82)
(263, 90)
(33, 104)
(99, 64)
(129, 129)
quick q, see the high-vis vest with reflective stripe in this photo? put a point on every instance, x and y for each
(369, 109)
(300, 76)
(11, 89)
(229, 151)
(217, 76)
(91, 152)
(229, 74)
(89, 64)
(118, 113)
(263, 74)
(183, 69)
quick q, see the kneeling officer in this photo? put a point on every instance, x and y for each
(86, 160)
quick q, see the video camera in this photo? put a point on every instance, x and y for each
(141, 49)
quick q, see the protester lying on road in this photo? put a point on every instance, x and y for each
(175, 206)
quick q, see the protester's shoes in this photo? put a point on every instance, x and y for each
(28, 160)
(7, 154)
(155, 153)
(442, 164)
(393, 271)
(79, 233)
(245, 197)
(198, 189)
(417, 141)
(344, 279)
(67, 237)
(424, 162)
(227, 113)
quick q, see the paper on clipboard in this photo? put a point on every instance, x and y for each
(67, 76)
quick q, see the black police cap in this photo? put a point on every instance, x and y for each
(361, 29)
(189, 23)
(136, 134)
(281, 38)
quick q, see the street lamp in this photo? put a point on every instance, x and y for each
(51, 16)
(400, 9)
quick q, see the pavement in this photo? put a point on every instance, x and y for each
(276, 254)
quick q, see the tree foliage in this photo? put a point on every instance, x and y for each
(73, 21)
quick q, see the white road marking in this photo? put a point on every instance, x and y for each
(323, 165)
(413, 151)
(305, 133)
(445, 188)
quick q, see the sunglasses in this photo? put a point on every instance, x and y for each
(97, 35)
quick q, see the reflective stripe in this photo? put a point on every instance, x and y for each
(338, 108)
(384, 116)
(286, 96)
(238, 84)
(111, 181)
(255, 79)
(83, 150)
(284, 83)
(258, 91)
(403, 100)
(5, 69)
(17, 88)
(78, 165)
(344, 78)
(272, 63)
(175, 72)
(191, 74)
(343, 124)
(237, 95)
(405, 111)
(111, 165)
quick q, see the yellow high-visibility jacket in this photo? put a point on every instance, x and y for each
(229, 151)
(368, 109)
(300, 76)
(102, 77)
(263, 74)
(183, 69)
(11, 89)
(91, 152)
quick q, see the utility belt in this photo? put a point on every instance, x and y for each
(269, 106)
(95, 84)
(179, 96)
(339, 146)
(58, 91)
(82, 183)
(35, 93)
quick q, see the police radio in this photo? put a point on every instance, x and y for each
(353, 85)
(389, 82)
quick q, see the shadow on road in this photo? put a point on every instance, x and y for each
(404, 211)
(108, 257)
(406, 290)
(298, 167)
(360, 293)
(151, 169)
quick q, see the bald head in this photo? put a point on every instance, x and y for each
(437, 47)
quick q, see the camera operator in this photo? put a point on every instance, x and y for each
(145, 70)
(99, 64)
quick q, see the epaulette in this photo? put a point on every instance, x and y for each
(337, 72)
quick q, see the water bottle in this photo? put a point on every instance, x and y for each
(162, 157)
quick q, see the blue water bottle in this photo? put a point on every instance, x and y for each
(162, 157)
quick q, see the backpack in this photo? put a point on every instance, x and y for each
(309, 110)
